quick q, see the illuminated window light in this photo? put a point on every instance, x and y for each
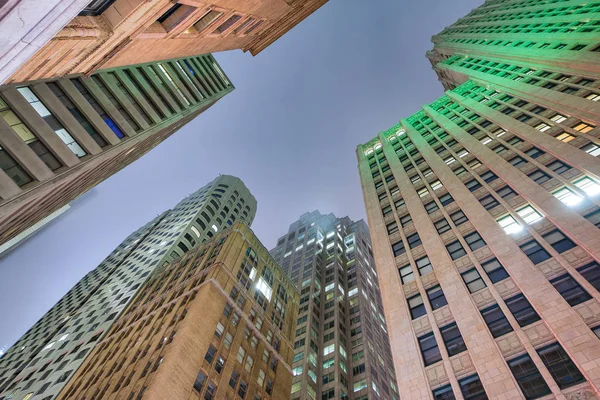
(567, 196)
(529, 214)
(436, 185)
(588, 186)
(509, 224)
(565, 137)
(264, 288)
(423, 192)
(558, 118)
(486, 140)
(593, 150)
(449, 160)
(463, 154)
(542, 127)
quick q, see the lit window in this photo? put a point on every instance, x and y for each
(593, 97)
(529, 214)
(264, 288)
(567, 196)
(215, 228)
(196, 231)
(449, 160)
(588, 186)
(542, 127)
(592, 149)
(558, 118)
(583, 128)
(565, 137)
(486, 140)
(423, 192)
(463, 154)
(436, 185)
(500, 132)
(509, 224)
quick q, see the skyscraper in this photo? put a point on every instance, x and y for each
(59, 138)
(484, 212)
(47, 356)
(216, 323)
(522, 44)
(341, 349)
(115, 33)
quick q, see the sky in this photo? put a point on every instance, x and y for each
(289, 130)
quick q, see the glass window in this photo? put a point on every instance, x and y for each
(473, 280)
(443, 393)
(572, 291)
(558, 241)
(529, 214)
(200, 380)
(534, 152)
(51, 120)
(459, 218)
(593, 217)
(558, 166)
(436, 297)
(496, 321)
(473, 185)
(456, 250)
(429, 349)
(453, 339)
(489, 176)
(13, 169)
(494, 270)
(517, 161)
(472, 389)
(446, 199)
(535, 252)
(591, 272)
(530, 380)
(589, 186)
(431, 207)
(562, 369)
(442, 226)
(474, 241)
(507, 193)
(522, 310)
(406, 274)
(414, 240)
(417, 308)
(424, 266)
(489, 202)
(539, 177)
(567, 196)
(398, 248)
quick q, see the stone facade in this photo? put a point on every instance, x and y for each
(125, 32)
(215, 324)
(51, 352)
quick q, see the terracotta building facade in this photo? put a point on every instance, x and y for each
(115, 33)
(218, 323)
(48, 355)
(61, 137)
(341, 350)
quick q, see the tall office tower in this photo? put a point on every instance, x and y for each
(217, 323)
(547, 46)
(484, 212)
(342, 349)
(59, 138)
(115, 33)
(47, 356)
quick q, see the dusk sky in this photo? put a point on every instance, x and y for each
(289, 131)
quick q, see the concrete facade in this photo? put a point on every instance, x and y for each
(59, 138)
(40, 363)
(341, 348)
(116, 33)
(217, 323)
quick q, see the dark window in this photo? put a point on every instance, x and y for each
(535, 252)
(558, 241)
(429, 349)
(436, 297)
(453, 339)
(562, 369)
(473, 185)
(534, 152)
(473, 280)
(392, 228)
(442, 226)
(472, 389)
(443, 393)
(200, 380)
(489, 177)
(489, 202)
(507, 193)
(210, 354)
(455, 250)
(496, 321)
(431, 207)
(594, 217)
(10, 166)
(405, 220)
(398, 248)
(558, 166)
(530, 380)
(446, 199)
(522, 310)
(495, 270)
(417, 308)
(474, 241)
(571, 290)
(539, 177)
(591, 272)
(459, 218)
(517, 161)
(424, 266)
(414, 240)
